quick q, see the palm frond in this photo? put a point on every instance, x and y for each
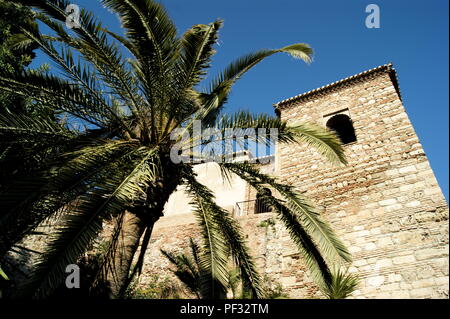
(227, 228)
(52, 90)
(148, 26)
(187, 270)
(312, 257)
(342, 284)
(92, 43)
(31, 199)
(323, 140)
(23, 129)
(308, 215)
(220, 87)
(3, 274)
(83, 223)
(196, 52)
(259, 127)
(153, 34)
(320, 138)
(213, 260)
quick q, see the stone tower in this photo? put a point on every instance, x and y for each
(385, 204)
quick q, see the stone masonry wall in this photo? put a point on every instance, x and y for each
(385, 204)
(276, 256)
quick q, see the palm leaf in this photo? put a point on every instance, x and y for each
(3, 275)
(228, 229)
(187, 270)
(84, 222)
(220, 87)
(342, 285)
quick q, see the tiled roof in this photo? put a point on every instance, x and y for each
(342, 83)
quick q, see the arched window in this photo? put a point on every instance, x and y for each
(260, 204)
(343, 126)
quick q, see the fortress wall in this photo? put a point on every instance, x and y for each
(386, 203)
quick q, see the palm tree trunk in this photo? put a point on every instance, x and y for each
(130, 234)
(135, 222)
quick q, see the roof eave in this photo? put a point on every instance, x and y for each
(343, 82)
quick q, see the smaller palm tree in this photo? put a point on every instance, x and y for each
(194, 272)
(196, 276)
(342, 284)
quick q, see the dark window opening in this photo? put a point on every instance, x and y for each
(343, 126)
(260, 205)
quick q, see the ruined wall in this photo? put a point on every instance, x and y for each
(385, 204)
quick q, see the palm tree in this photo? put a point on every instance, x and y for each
(342, 284)
(190, 270)
(122, 98)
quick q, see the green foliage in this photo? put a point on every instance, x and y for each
(276, 292)
(192, 273)
(342, 285)
(3, 275)
(16, 53)
(266, 223)
(159, 287)
(14, 57)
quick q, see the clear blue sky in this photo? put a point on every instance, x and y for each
(413, 36)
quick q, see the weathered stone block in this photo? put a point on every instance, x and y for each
(403, 260)
(375, 281)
